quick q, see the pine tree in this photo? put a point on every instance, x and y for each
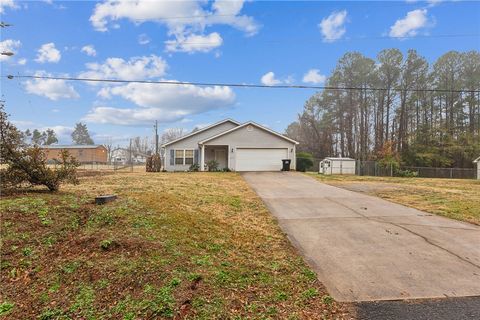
(80, 135)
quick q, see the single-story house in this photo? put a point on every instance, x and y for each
(477, 161)
(83, 153)
(237, 146)
(331, 165)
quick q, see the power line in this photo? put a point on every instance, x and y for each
(239, 85)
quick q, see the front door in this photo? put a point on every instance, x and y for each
(221, 158)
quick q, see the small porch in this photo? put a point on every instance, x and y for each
(219, 153)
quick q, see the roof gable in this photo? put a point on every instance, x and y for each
(200, 131)
(246, 124)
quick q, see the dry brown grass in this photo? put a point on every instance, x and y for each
(453, 198)
(174, 245)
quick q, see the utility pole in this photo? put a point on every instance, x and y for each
(156, 136)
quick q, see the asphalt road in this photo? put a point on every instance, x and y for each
(364, 248)
(435, 309)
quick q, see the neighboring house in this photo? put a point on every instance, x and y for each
(83, 153)
(238, 147)
(119, 156)
(477, 161)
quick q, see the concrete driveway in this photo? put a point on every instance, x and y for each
(364, 248)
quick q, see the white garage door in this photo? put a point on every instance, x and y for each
(260, 159)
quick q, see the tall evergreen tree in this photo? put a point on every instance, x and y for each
(423, 126)
(51, 137)
(80, 135)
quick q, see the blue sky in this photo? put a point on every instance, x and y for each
(226, 41)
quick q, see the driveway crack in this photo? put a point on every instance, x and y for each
(408, 230)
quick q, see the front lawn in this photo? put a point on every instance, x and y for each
(453, 198)
(182, 245)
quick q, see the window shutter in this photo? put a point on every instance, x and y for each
(172, 157)
(195, 156)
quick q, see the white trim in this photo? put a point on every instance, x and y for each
(246, 124)
(202, 158)
(477, 160)
(201, 130)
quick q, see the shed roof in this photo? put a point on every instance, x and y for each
(339, 158)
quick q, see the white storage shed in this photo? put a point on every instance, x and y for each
(477, 162)
(337, 166)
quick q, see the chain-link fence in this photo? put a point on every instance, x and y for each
(373, 168)
(106, 167)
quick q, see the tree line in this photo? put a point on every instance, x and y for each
(421, 114)
(80, 136)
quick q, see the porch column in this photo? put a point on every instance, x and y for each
(202, 158)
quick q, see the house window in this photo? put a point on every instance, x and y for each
(189, 157)
(179, 156)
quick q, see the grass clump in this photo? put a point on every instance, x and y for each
(457, 199)
(6, 307)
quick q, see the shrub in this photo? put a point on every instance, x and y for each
(194, 167)
(154, 163)
(226, 169)
(304, 161)
(212, 165)
(406, 173)
(27, 165)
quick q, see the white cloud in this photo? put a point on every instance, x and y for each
(7, 3)
(333, 27)
(195, 17)
(52, 89)
(89, 50)
(48, 53)
(432, 3)
(193, 42)
(23, 124)
(409, 26)
(134, 69)
(22, 61)
(63, 133)
(9, 45)
(165, 103)
(268, 79)
(314, 76)
(143, 39)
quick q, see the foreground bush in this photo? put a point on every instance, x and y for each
(26, 165)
